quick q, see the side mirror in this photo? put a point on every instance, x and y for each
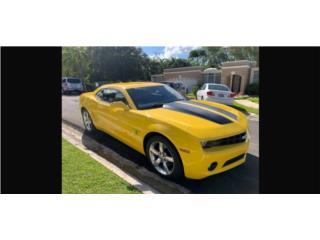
(119, 106)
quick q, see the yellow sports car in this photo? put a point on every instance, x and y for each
(179, 137)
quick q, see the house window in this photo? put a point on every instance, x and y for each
(211, 78)
(217, 78)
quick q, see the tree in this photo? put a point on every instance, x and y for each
(215, 56)
(118, 63)
(130, 63)
(75, 62)
(198, 55)
(157, 65)
(247, 53)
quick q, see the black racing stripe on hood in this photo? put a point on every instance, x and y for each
(199, 112)
(229, 114)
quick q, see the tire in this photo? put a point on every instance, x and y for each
(171, 169)
(87, 122)
(201, 97)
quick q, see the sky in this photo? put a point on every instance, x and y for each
(168, 51)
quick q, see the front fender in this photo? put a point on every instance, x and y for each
(186, 144)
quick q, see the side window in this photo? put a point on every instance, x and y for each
(99, 94)
(111, 95)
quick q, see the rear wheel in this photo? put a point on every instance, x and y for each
(87, 122)
(164, 158)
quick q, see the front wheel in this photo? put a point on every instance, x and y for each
(164, 158)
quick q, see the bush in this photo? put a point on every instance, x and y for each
(195, 90)
(89, 87)
(253, 89)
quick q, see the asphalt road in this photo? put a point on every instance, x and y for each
(242, 179)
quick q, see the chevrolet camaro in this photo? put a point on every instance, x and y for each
(179, 137)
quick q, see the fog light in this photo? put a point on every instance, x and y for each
(212, 166)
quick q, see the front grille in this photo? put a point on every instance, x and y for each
(226, 141)
(233, 160)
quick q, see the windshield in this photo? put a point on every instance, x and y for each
(155, 96)
(74, 80)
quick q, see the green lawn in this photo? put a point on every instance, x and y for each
(82, 174)
(191, 96)
(245, 108)
(254, 99)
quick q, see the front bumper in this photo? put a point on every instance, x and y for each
(196, 164)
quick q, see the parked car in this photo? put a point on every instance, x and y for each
(178, 86)
(219, 93)
(179, 137)
(71, 85)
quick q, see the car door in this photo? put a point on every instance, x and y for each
(102, 111)
(127, 124)
(111, 119)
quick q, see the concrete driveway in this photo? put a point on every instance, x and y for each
(242, 179)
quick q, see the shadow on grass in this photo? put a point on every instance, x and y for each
(132, 188)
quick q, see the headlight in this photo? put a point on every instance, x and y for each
(242, 137)
(208, 144)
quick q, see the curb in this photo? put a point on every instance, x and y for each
(131, 172)
(253, 117)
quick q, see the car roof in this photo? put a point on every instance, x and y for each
(216, 84)
(127, 85)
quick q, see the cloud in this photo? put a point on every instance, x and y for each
(173, 51)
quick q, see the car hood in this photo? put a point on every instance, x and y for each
(205, 120)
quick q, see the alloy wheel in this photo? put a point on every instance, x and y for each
(161, 158)
(87, 121)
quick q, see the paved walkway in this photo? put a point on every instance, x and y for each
(248, 103)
